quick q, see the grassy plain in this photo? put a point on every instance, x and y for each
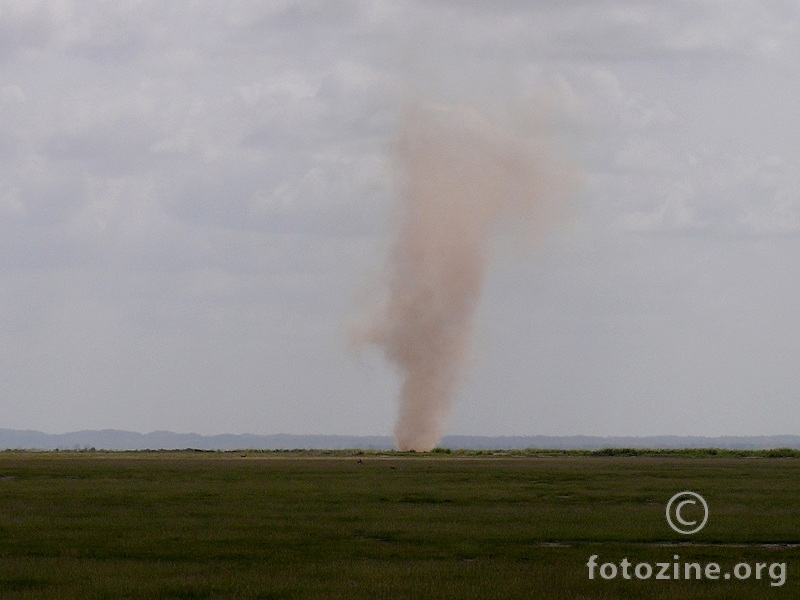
(304, 525)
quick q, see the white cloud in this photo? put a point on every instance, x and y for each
(208, 180)
(738, 196)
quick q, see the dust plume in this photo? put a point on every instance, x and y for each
(460, 180)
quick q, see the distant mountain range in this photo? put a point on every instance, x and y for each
(113, 439)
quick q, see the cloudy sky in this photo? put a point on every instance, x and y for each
(196, 198)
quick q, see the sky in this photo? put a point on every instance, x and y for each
(197, 200)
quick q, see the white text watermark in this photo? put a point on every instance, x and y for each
(775, 572)
(679, 501)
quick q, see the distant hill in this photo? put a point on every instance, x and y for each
(113, 439)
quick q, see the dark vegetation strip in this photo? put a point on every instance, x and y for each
(440, 452)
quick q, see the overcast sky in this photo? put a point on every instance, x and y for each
(196, 196)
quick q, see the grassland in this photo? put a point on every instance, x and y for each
(460, 526)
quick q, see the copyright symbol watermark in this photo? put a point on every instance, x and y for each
(681, 500)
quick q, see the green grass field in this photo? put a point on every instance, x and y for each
(300, 525)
